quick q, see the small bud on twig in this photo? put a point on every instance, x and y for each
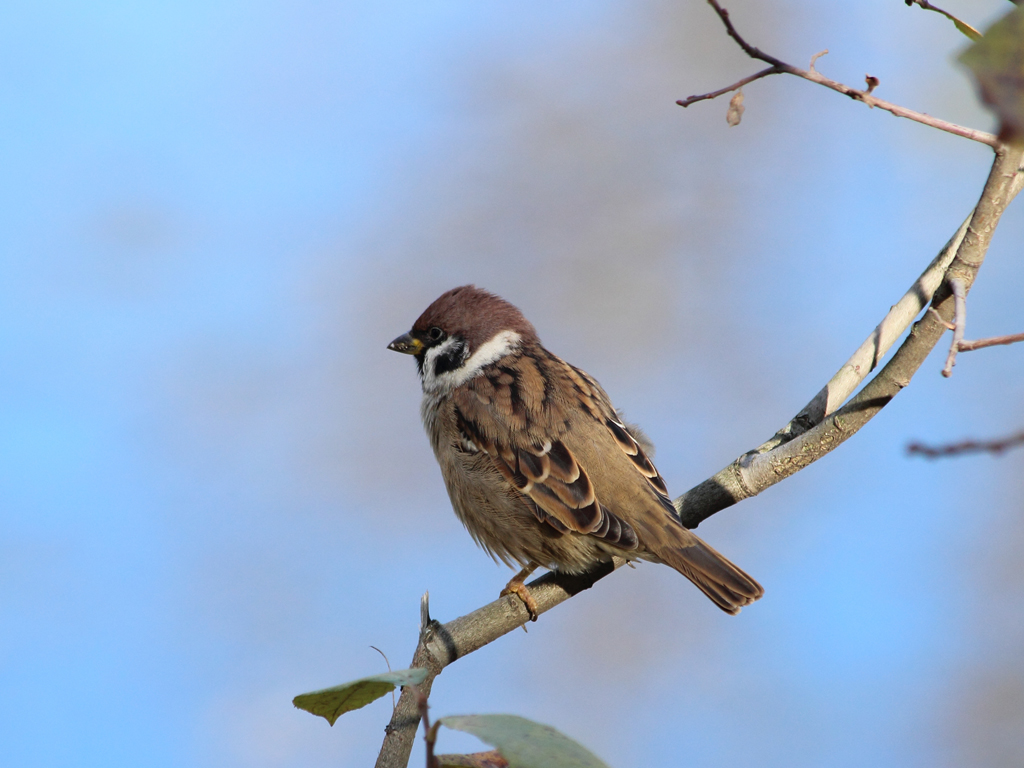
(735, 111)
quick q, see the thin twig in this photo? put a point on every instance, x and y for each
(956, 285)
(967, 446)
(970, 31)
(949, 326)
(429, 731)
(779, 66)
(1013, 338)
(378, 650)
(735, 86)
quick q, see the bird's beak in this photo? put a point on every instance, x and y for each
(407, 344)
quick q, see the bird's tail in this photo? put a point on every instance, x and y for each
(728, 587)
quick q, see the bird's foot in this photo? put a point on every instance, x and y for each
(519, 589)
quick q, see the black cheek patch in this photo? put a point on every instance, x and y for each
(450, 360)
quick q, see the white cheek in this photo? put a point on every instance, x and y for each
(500, 345)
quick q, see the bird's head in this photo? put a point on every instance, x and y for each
(462, 331)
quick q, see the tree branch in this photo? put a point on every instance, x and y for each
(1013, 338)
(441, 644)
(956, 286)
(779, 66)
(967, 446)
(808, 437)
(812, 434)
(963, 26)
(429, 731)
(734, 87)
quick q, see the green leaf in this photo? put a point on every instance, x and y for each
(997, 63)
(524, 743)
(332, 703)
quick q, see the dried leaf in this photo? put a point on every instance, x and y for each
(332, 703)
(963, 26)
(524, 743)
(735, 112)
(966, 28)
(997, 63)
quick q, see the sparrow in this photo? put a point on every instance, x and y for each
(539, 465)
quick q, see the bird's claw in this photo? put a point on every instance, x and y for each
(521, 591)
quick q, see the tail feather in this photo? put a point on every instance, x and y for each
(728, 587)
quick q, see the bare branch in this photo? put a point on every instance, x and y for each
(963, 26)
(735, 86)
(378, 650)
(968, 346)
(429, 731)
(816, 430)
(967, 446)
(814, 58)
(949, 326)
(441, 644)
(491, 759)
(956, 285)
(778, 66)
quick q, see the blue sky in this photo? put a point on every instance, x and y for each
(214, 489)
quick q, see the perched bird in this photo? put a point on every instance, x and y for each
(539, 465)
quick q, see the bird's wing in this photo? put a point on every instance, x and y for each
(546, 425)
(601, 409)
(535, 436)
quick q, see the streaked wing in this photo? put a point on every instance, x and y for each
(603, 410)
(508, 413)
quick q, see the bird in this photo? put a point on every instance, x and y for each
(540, 467)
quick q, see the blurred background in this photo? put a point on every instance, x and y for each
(215, 491)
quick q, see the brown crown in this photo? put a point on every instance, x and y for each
(474, 314)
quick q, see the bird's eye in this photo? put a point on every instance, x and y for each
(435, 333)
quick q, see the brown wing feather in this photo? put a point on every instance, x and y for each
(604, 411)
(545, 425)
(636, 454)
(529, 454)
(722, 581)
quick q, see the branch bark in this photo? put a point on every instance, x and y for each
(992, 341)
(959, 323)
(441, 644)
(820, 427)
